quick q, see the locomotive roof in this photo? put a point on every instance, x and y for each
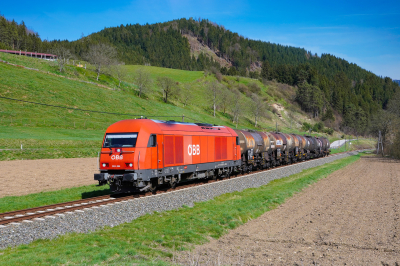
(159, 126)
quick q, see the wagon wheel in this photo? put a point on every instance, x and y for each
(250, 168)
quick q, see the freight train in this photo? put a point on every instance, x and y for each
(143, 154)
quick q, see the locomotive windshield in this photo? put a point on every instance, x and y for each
(120, 140)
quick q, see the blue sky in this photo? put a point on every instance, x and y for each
(363, 32)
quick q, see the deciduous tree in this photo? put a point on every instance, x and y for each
(101, 56)
(118, 71)
(257, 108)
(186, 94)
(214, 89)
(225, 98)
(63, 54)
(168, 87)
(236, 106)
(143, 81)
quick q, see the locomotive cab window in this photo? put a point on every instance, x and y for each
(113, 140)
(152, 141)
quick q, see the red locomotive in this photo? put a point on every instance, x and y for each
(141, 154)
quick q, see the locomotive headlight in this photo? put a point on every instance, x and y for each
(131, 164)
(104, 164)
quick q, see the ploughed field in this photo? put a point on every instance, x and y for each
(33, 176)
(352, 217)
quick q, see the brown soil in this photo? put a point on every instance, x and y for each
(31, 176)
(348, 218)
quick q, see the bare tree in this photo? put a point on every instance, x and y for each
(143, 80)
(385, 122)
(214, 89)
(186, 94)
(236, 107)
(168, 87)
(63, 54)
(394, 104)
(101, 56)
(119, 71)
(226, 98)
(257, 108)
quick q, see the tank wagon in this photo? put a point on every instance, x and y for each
(142, 154)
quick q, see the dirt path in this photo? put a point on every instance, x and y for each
(31, 176)
(349, 218)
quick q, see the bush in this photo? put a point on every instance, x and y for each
(254, 88)
(218, 76)
(306, 126)
(244, 89)
(328, 131)
(318, 127)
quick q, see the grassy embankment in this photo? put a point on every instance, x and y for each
(359, 144)
(154, 237)
(49, 132)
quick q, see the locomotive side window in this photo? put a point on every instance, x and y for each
(237, 141)
(152, 141)
(113, 140)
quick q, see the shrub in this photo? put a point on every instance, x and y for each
(244, 89)
(254, 88)
(318, 127)
(328, 131)
(218, 76)
(306, 126)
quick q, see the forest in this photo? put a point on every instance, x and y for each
(327, 85)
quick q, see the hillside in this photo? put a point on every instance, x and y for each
(326, 83)
(55, 115)
(397, 81)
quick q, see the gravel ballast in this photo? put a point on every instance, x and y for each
(90, 219)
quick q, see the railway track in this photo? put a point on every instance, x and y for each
(51, 211)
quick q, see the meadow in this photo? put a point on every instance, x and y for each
(41, 108)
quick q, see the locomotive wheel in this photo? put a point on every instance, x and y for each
(173, 182)
(153, 187)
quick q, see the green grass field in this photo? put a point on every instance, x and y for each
(153, 237)
(29, 122)
(359, 144)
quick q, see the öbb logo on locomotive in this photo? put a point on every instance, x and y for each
(193, 150)
(153, 153)
(117, 157)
